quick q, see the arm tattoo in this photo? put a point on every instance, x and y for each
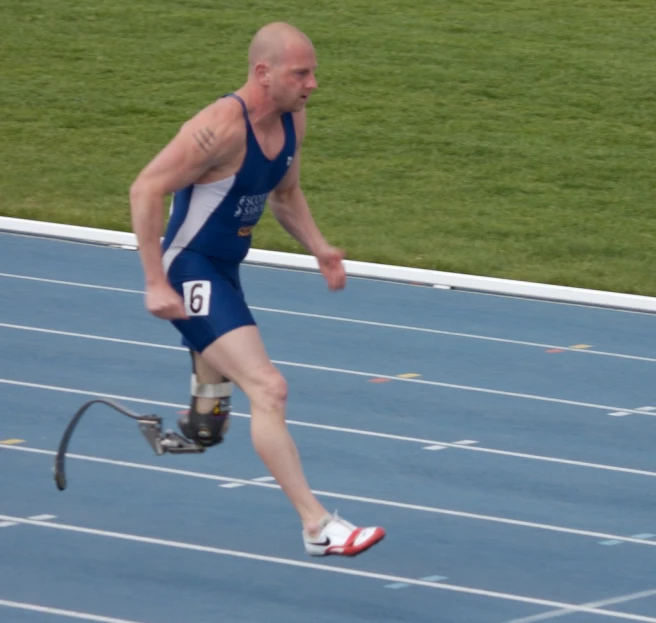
(205, 139)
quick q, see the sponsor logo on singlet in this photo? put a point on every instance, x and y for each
(250, 207)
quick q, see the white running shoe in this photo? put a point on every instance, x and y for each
(338, 536)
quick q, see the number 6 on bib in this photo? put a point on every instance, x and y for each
(197, 297)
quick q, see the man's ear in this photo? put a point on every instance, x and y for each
(261, 71)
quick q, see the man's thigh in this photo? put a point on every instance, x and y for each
(240, 355)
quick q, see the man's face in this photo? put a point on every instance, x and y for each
(293, 78)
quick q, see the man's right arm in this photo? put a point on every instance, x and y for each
(202, 143)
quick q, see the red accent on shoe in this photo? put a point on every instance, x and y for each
(349, 549)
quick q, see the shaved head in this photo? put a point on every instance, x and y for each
(272, 43)
(281, 67)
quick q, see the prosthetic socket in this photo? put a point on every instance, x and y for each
(208, 427)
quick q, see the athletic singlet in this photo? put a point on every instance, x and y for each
(217, 219)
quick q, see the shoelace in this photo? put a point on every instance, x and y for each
(336, 518)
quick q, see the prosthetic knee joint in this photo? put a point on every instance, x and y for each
(207, 426)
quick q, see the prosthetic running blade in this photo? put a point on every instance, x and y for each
(150, 426)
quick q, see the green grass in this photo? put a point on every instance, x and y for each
(508, 138)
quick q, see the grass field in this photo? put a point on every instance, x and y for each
(508, 138)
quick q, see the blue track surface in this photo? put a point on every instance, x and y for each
(550, 498)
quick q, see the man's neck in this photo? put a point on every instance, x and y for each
(262, 112)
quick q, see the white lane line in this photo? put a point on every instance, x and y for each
(431, 442)
(343, 496)
(71, 614)
(484, 338)
(430, 578)
(469, 388)
(328, 568)
(553, 614)
(88, 336)
(361, 322)
(8, 524)
(71, 283)
(294, 364)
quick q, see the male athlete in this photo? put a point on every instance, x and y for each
(225, 162)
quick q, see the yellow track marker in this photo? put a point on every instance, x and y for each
(581, 346)
(408, 375)
(11, 442)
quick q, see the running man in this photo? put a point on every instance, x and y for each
(223, 165)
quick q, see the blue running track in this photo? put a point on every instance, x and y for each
(506, 446)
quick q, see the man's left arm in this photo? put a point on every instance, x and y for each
(290, 207)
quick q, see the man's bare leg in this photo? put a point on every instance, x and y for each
(240, 356)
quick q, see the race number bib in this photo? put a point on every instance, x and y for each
(197, 297)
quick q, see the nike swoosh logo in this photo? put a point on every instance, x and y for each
(326, 542)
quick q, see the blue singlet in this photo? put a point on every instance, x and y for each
(209, 234)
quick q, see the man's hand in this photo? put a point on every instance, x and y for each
(331, 267)
(164, 302)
